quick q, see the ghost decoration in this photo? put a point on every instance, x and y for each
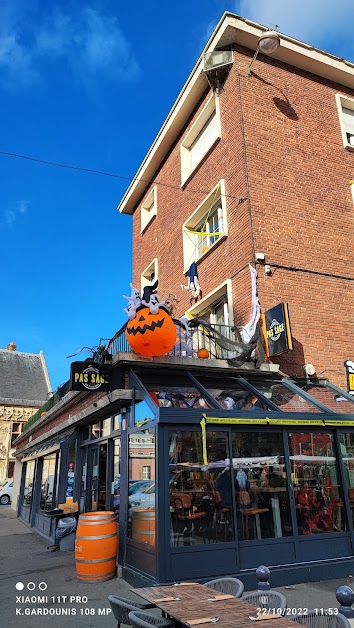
(135, 296)
(131, 309)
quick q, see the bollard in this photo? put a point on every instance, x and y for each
(345, 597)
(263, 575)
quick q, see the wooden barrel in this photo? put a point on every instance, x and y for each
(143, 526)
(96, 546)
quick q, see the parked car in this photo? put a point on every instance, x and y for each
(144, 497)
(6, 492)
(135, 486)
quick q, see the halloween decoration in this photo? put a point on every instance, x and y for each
(135, 296)
(151, 334)
(203, 353)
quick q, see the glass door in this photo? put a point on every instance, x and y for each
(92, 493)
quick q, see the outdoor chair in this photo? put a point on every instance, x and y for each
(121, 608)
(233, 586)
(139, 619)
(314, 619)
(266, 599)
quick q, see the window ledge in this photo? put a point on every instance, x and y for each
(148, 224)
(349, 147)
(191, 174)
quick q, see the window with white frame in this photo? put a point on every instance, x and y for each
(146, 473)
(206, 226)
(216, 307)
(345, 106)
(200, 138)
(149, 209)
(149, 275)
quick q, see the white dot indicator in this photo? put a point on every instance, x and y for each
(19, 586)
(31, 586)
(42, 586)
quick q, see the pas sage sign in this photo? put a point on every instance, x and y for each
(276, 330)
(90, 376)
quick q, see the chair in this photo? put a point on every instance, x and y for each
(266, 599)
(121, 608)
(145, 620)
(315, 620)
(227, 585)
(182, 503)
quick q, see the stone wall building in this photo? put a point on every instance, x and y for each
(24, 387)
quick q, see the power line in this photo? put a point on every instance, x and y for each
(111, 174)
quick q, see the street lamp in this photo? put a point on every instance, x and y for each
(267, 43)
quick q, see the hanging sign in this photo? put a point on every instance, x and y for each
(277, 330)
(90, 376)
(349, 367)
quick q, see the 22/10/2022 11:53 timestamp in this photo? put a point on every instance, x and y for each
(296, 611)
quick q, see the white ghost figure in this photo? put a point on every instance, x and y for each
(229, 403)
(131, 309)
(154, 304)
(134, 296)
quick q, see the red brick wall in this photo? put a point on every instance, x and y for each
(299, 209)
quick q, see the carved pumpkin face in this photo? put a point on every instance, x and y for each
(151, 334)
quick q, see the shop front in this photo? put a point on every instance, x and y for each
(210, 473)
(269, 481)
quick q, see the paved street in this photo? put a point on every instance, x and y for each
(25, 559)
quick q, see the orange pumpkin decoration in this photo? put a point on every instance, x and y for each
(149, 334)
(203, 353)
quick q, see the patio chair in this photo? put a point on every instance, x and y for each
(233, 586)
(314, 620)
(266, 599)
(121, 608)
(139, 619)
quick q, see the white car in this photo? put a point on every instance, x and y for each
(6, 492)
(144, 498)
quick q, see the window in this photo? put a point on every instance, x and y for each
(345, 108)
(201, 502)
(149, 209)
(200, 138)
(146, 473)
(262, 500)
(149, 275)
(217, 308)
(205, 227)
(315, 478)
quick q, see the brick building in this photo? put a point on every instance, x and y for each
(265, 160)
(215, 467)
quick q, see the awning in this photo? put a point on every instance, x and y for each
(48, 447)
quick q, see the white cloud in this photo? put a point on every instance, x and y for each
(90, 43)
(11, 214)
(322, 23)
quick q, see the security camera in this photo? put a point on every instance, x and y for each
(260, 257)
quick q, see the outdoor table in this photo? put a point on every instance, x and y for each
(193, 604)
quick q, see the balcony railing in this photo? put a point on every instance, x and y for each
(189, 341)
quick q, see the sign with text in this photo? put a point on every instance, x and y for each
(90, 376)
(277, 330)
(349, 367)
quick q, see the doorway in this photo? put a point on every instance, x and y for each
(97, 478)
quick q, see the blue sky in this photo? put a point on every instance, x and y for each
(89, 84)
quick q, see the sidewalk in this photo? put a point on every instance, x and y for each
(24, 558)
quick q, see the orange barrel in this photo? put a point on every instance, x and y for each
(96, 546)
(143, 526)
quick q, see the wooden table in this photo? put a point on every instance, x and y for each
(194, 604)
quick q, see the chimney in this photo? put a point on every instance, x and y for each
(11, 346)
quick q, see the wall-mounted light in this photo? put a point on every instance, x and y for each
(267, 43)
(309, 369)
